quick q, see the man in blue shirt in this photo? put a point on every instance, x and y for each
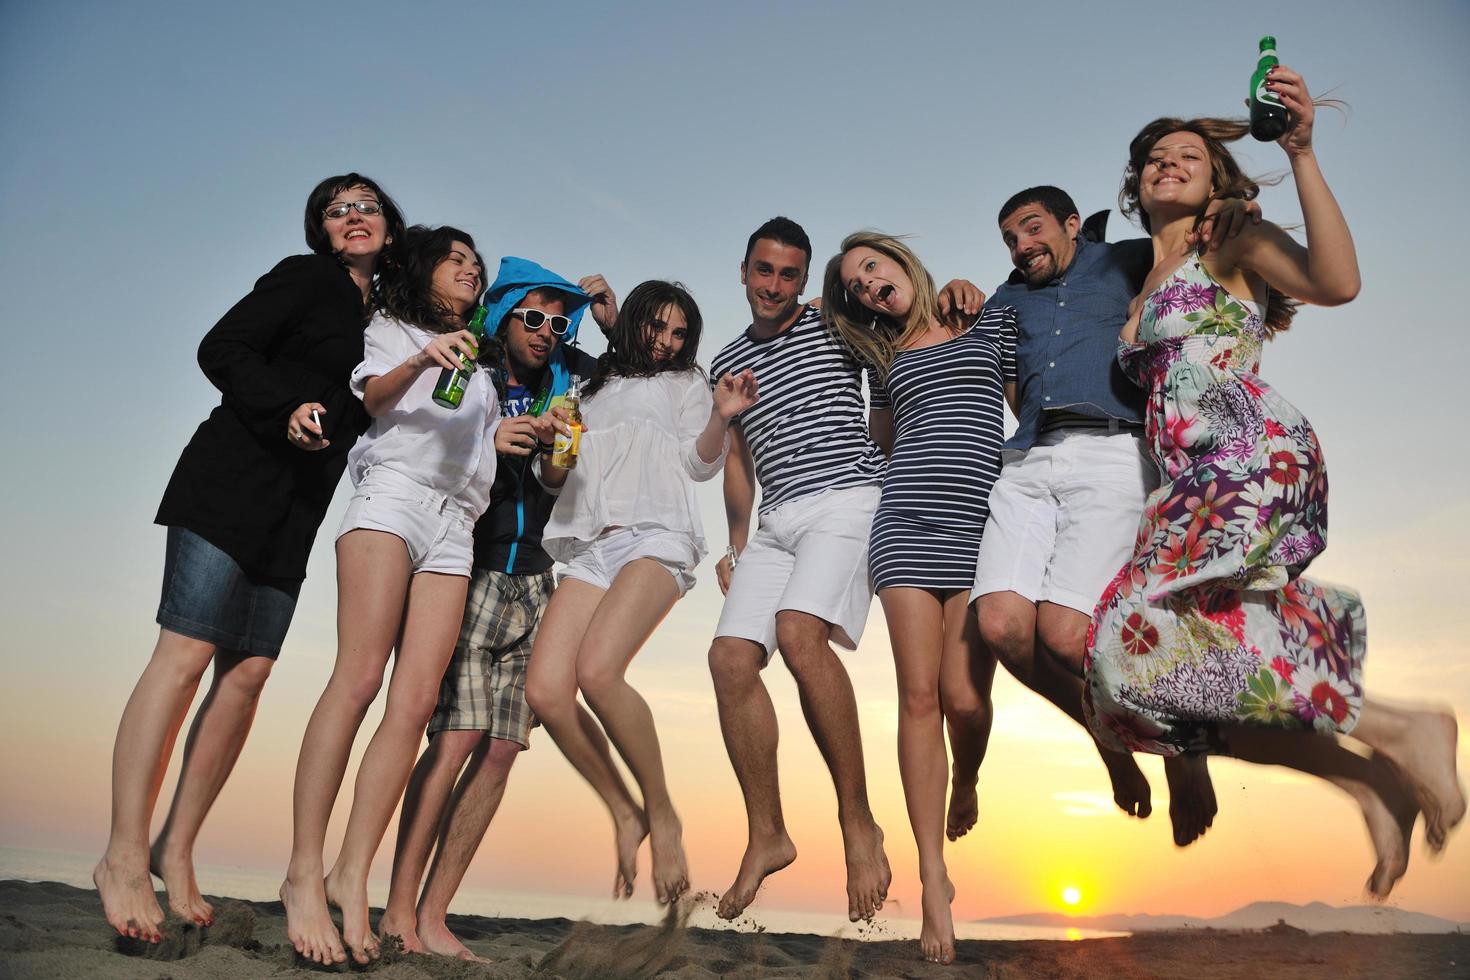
(1065, 511)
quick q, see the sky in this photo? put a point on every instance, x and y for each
(157, 158)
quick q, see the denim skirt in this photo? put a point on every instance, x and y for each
(207, 596)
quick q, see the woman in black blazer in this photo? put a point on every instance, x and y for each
(242, 509)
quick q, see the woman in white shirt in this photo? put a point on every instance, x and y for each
(627, 525)
(422, 475)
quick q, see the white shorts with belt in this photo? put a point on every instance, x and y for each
(439, 531)
(1064, 516)
(809, 555)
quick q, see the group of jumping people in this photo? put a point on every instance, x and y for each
(1134, 552)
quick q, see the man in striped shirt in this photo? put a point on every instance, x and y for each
(801, 581)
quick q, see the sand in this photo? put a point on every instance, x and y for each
(49, 930)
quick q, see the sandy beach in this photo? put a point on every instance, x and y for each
(50, 930)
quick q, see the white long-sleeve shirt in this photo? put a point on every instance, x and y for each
(637, 463)
(449, 451)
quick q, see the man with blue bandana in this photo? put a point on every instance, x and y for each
(482, 722)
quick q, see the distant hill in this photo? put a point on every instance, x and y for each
(1316, 917)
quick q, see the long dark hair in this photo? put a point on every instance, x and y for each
(628, 354)
(1227, 180)
(317, 238)
(406, 292)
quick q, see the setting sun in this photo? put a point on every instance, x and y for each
(1071, 895)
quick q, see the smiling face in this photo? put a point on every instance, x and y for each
(666, 334)
(1176, 174)
(355, 235)
(877, 282)
(457, 279)
(529, 350)
(1041, 247)
(774, 276)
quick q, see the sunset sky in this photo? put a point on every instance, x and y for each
(157, 158)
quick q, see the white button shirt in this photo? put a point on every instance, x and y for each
(448, 451)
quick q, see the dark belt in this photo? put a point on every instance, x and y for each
(1062, 419)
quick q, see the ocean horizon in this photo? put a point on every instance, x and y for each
(259, 885)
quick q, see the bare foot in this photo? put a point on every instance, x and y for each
(350, 897)
(670, 869)
(1389, 810)
(309, 924)
(1424, 756)
(177, 872)
(128, 899)
(438, 939)
(403, 928)
(964, 807)
(628, 834)
(936, 938)
(1192, 806)
(762, 858)
(1130, 787)
(868, 874)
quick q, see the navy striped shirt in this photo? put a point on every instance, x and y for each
(809, 431)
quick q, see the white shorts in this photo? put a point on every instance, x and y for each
(597, 562)
(809, 555)
(1064, 517)
(438, 530)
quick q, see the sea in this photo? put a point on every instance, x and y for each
(261, 886)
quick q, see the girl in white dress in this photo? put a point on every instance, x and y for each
(627, 525)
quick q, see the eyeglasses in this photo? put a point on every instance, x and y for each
(533, 319)
(343, 209)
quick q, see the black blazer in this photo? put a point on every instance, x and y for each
(240, 484)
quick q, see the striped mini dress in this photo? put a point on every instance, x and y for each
(948, 411)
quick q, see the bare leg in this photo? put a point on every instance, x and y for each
(640, 597)
(145, 741)
(748, 724)
(1389, 810)
(1420, 743)
(372, 583)
(551, 691)
(430, 626)
(965, 676)
(475, 801)
(1008, 623)
(419, 823)
(210, 752)
(830, 709)
(916, 627)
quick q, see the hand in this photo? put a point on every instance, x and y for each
(1224, 219)
(1291, 88)
(734, 393)
(447, 349)
(960, 297)
(302, 432)
(518, 436)
(604, 305)
(723, 571)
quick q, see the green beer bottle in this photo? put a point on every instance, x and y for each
(1268, 115)
(449, 392)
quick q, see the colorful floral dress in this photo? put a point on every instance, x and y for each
(1211, 622)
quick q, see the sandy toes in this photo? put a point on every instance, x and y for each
(670, 868)
(1192, 806)
(177, 872)
(438, 939)
(762, 858)
(964, 808)
(309, 924)
(350, 897)
(1389, 810)
(128, 899)
(404, 932)
(868, 874)
(1130, 787)
(936, 938)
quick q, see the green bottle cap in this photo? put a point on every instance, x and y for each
(1268, 43)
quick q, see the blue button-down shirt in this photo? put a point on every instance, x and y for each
(1067, 341)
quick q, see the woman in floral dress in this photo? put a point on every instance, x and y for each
(1210, 638)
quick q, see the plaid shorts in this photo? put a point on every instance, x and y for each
(484, 688)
